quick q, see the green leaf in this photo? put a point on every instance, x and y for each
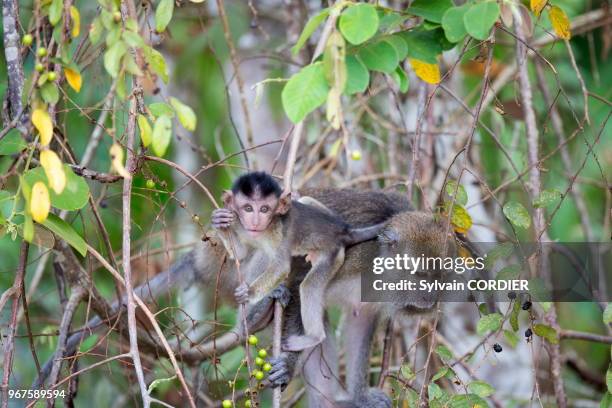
(490, 322)
(133, 39)
(162, 134)
(509, 272)
(358, 23)
(511, 338)
(156, 62)
(546, 332)
(49, 92)
(607, 314)
(95, 30)
(185, 114)
(146, 133)
(161, 109)
(517, 214)
(606, 401)
(407, 372)
(452, 23)
(461, 197)
(75, 194)
(12, 143)
(400, 46)
(400, 77)
(609, 378)
(380, 56)
(55, 11)
(431, 10)
(390, 21)
(112, 58)
(358, 76)
(309, 28)
(501, 251)
(516, 308)
(163, 14)
(28, 228)
(88, 343)
(441, 373)
(481, 388)
(467, 401)
(423, 45)
(480, 18)
(304, 92)
(444, 353)
(546, 198)
(156, 383)
(63, 230)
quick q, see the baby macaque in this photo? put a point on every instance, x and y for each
(278, 228)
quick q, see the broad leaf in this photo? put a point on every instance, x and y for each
(480, 18)
(560, 22)
(517, 214)
(112, 58)
(309, 28)
(156, 62)
(546, 332)
(358, 23)
(55, 11)
(161, 109)
(380, 56)
(511, 338)
(480, 388)
(185, 114)
(163, 14)
(63, 230)
(431, 10)
(488, 323)
(546, 198)
(304, 92)
(73, 197)
(12, 143)
(358, 76)
(162, 134)
(452, 23)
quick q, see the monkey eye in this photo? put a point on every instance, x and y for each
(248, 208)
(264, 209)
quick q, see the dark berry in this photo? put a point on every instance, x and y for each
(528, 333)
(497, 348)
(527, 305)
(512, 295)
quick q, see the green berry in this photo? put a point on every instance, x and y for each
(27, 40)
(196, 218)
(247, 404)
(150, 184)
(267, 367)
(52, 76)
(259, 375)
(41, 52)
(227, 404)
(259, 361)
(253, 340)
(117, 16)
(262, 353)
(39, 67)
(356, 155)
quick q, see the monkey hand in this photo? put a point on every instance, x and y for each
(282, 369)
(282, 294)
(222, 218)
(242, 293)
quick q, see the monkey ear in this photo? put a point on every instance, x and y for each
(388, 236)
(228, 198)
(284, 203)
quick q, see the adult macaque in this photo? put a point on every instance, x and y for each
(413, 233)
(278, 228)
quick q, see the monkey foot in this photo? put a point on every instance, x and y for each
(298, 343)
(280, 374)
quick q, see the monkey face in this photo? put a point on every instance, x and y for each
(256, 212)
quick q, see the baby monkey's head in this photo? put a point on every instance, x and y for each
(257, 198)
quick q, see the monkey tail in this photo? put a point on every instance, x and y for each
(357, 235)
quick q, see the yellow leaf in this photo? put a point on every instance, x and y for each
(42, 122)
(145, 130)
(54, 170)
(460, 219)
(334, 108)
(537, 6)
(429, 73)
(560, 22)
(40, 204)
(74, 79)
(116, 153)
(76, 21)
